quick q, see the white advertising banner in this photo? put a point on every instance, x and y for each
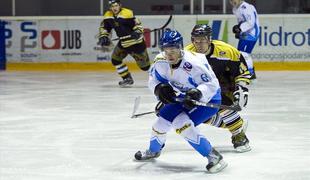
(72, 39)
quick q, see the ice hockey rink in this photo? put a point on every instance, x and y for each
(77, 126)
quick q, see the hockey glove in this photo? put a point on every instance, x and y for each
(135, 35)
(236, 29)
(192, 94)
(241, 95)
(165, 93)
(104, 41)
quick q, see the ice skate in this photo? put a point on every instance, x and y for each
(126, 82)
(241, 142)
(216, 162)
(146, 155)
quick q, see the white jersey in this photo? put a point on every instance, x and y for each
(194, 71)
(247, 18)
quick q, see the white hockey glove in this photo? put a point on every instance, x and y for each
(241, 95)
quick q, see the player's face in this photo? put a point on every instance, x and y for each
(172, 54)
(201, 44)
(235, 3)
(115, 8)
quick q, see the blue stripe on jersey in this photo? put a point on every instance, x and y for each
(256, 26)
(217, 96)
(160, 78)
(191, 81)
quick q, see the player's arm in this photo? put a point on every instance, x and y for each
(158, 82)
(249, 22)
(207, 86)
(137, 29)
(242, 76)
(104, 32)
(206, 81)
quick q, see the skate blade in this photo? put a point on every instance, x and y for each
(126, 86)
(219, 167)
(242, 149)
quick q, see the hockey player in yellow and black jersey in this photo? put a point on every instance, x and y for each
(131, 40)
(231, 70)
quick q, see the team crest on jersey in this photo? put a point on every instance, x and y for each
(187, 66)
(222, 53)
(205, 77)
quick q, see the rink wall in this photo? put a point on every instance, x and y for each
(69, 43)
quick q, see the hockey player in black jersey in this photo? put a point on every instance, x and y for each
(230, 68)
(131, 40)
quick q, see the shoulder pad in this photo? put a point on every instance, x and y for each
(226, 51)
(108, 15)
(126, 13)
(190, 47)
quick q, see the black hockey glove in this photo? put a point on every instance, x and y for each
(135, 35)
(192, 94)
(165, 93)
(236, 29)
(104, 41)
(241, 95)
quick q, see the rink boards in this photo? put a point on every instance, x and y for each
(259, 66)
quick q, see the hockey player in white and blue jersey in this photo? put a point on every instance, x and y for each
(178, 74)
(247, 30)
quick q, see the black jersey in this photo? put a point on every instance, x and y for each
(123, 24)
(227, 63)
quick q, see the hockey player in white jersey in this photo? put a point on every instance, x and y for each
(247, 30)
(177, 74)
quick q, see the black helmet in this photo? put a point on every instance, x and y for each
(114, 1)
(202, 30)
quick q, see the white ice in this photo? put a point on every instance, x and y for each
(77, 126)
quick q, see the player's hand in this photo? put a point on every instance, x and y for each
(165, 93)
(135, 35)
(241, 95)
(236, 29)
(104, 41)
(192, 94)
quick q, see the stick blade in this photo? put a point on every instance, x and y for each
(135, 106)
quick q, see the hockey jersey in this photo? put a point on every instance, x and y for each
(194, 71)
(123, 24)
(248, 20)
(227, 63)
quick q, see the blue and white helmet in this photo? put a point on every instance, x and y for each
(171, 38)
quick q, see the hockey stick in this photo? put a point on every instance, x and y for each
(135, 108)
(212, 105)
(156, 29)
(141, 114)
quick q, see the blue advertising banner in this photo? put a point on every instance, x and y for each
(2, 46)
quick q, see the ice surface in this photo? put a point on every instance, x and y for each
(77, 126)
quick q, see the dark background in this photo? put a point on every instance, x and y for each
(143, 7)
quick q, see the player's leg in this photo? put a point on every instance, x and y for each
(246, 47)
(140, 54)
(117, 60)
(232, 121)
(185, 127)
(166, 115)
(157, 140)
